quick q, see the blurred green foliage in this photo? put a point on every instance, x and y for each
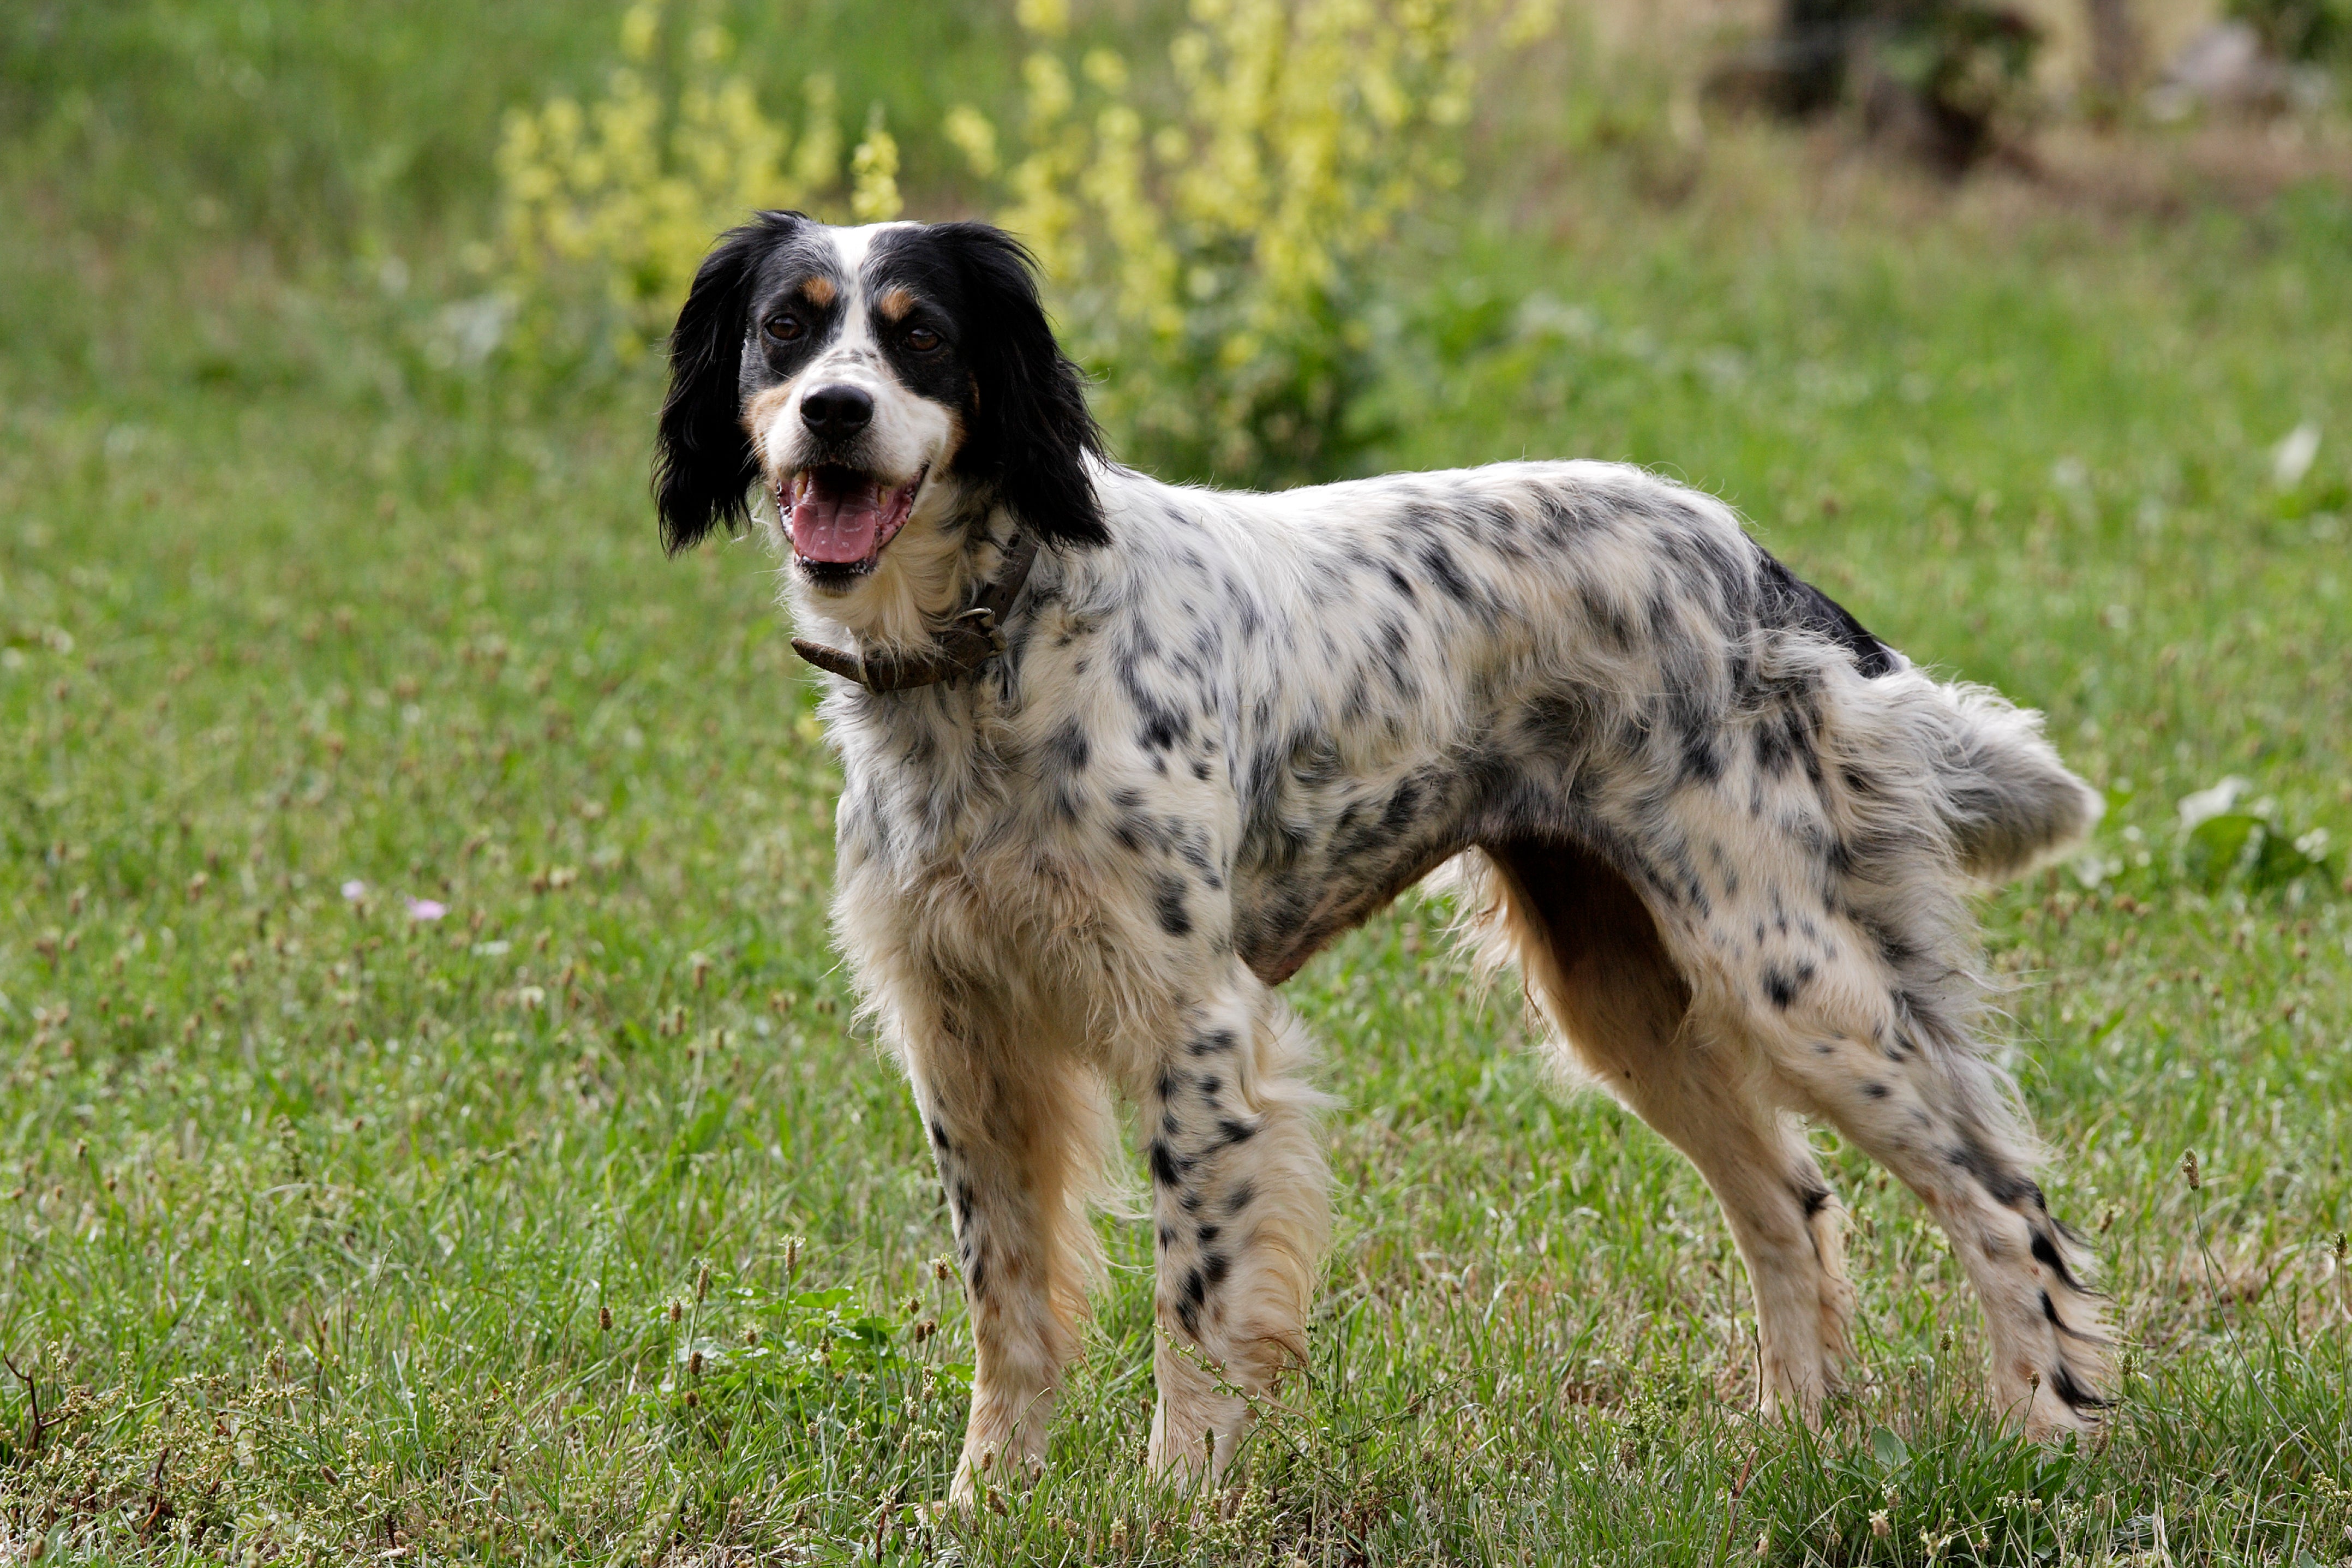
(2312, 31)
(339, 123)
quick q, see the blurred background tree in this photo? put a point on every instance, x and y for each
(1947, 80)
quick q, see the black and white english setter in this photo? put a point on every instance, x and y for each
(1118, 756)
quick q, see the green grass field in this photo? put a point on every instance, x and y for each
(579, 1223)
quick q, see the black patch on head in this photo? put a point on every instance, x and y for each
(1027, 431)
(703, 462)
(1788, 600)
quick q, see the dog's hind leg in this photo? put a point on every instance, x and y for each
(1922, 1101)
(1020, 1140)
(1240, 1215)
(1591, 954)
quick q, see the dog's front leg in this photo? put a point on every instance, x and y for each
(1241, 1213)
(1018, 1140)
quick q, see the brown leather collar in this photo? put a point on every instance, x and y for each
(962, 645)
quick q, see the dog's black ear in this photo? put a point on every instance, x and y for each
(1031, 432)
(703, 462)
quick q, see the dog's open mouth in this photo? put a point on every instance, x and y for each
(841, 518)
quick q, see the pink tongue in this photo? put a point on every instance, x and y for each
(843, 526)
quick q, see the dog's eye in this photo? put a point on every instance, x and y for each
(922, 339)
(784, 327)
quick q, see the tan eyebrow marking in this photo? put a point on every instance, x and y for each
(820, 291)
(895, 302)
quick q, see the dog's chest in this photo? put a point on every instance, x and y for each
(960, 857)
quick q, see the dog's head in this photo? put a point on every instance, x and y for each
(892, 380)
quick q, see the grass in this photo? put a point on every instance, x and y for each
(577, 1225)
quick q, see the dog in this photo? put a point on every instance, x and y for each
(1118, 756)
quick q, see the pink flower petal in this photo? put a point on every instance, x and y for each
(354, 891)
(426, 909)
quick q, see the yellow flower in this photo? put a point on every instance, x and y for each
(874, 174)
(971, 133)
(1047, 18)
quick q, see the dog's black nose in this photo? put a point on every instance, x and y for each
(837, 411)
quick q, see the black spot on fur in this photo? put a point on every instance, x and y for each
(1239, 1198)
(2046, 1253)
(1235, 1131)
(1168, 896)
(1216, 1266)
(1815, 1199)
(1209, 1233)
(1212, 1042)
(1439, 562)
(2006, 1188)
(1163, 1164)
(1068, 747)
(1875, 1089)
(1783, 987)
(2077, 1398)
(1788, 600)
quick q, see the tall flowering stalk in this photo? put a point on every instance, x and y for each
(626, 191)
(1212, 264)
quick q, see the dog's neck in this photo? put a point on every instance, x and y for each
(928, 610)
